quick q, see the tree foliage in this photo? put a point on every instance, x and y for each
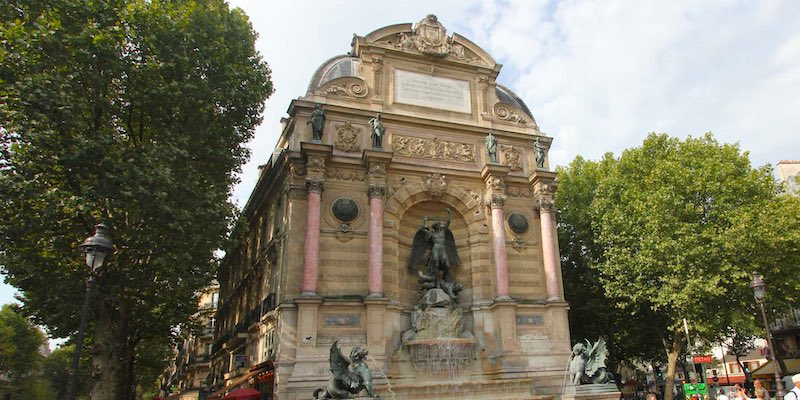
(631, 330)
(682, 224)
(20, 342)
(133, 113)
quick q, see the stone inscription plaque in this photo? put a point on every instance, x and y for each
(530, 320)
(342, 320)
(431, 91)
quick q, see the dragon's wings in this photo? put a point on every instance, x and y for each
(597, 357)
(418, 248)
(450, 248)
(340, 366)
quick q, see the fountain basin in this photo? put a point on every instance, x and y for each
(448, 356)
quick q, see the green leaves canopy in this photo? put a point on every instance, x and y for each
(133, 113)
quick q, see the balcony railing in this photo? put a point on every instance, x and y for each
(789, 320)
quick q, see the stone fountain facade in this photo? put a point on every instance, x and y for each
(331, 224)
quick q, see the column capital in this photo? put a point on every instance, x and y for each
(315, 184)
(374, 191)
(495, 200)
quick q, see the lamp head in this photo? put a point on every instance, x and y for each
(97, 247)
(758, 286)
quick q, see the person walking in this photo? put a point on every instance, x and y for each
(760, 391)
(794, 394)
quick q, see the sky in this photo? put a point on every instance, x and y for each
(598, 76)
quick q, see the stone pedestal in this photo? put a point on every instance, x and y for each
(606, 391)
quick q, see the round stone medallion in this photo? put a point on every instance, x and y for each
(518, 223)
(345, 209)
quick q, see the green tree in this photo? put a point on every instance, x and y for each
(133, 113)
(57, 367)
(20, 342)
(632, 332)
(673, 217)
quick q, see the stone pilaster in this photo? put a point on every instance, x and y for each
(376, 163)
(493, 176)
(316, 156)
(544, 188)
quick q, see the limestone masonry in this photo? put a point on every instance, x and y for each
(331, 224)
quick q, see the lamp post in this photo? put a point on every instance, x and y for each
(97, 248)
(760, 291)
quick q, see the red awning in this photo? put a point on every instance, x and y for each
(243, 394)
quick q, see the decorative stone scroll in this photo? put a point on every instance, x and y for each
(347, 138)
(346, 87)
(507, 112)
(511, 157)
(433, 149)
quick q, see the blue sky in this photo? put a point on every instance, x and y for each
(597, 75)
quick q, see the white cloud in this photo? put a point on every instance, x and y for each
(597, 75)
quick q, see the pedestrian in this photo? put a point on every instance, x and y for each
(651, 396)
(741, 394)
(794, 394)
(722, 395)
(760, 391)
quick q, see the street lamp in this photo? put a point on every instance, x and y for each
(98, 248)
(759, 292)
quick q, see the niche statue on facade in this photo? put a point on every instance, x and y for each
(317, 122)
(438, 242)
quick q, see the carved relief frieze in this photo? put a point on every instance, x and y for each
(494, 183)
(507, 112)
(346, 87)
(511, 157)
(348, 137)
(315, 164)
(377, 170)
(433, 148)
(435, 184)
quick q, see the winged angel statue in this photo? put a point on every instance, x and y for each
(588, 363)
(440, 245)
(346, 381)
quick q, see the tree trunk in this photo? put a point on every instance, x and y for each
(107, 352)
(673, 352)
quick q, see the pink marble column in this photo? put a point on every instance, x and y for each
(549, 253)
(375, 271)
(311, 245)
(499, 244)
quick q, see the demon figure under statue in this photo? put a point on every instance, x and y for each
(588, 363)
(438, 241)
(350, 376)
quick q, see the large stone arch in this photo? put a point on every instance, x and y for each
(404, 211)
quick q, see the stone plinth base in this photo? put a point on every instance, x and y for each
(510, 389)
(606, 391)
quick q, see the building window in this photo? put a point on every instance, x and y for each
(734, 368)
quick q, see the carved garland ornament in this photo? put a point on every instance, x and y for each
(433, 149)
(346, 175)
(347, 138)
